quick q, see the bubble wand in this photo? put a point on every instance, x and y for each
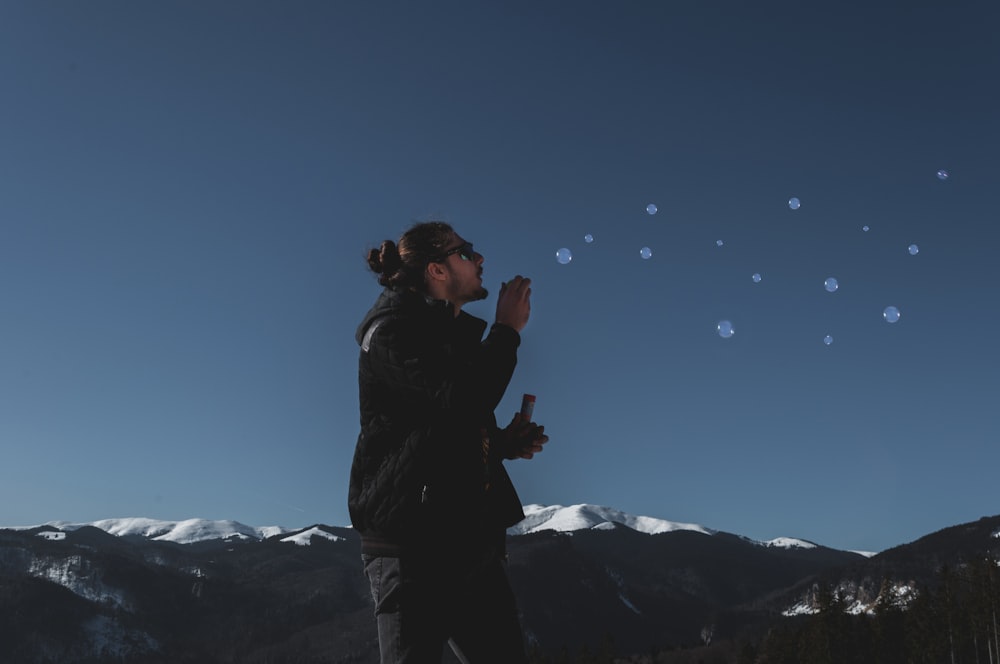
(527, 406)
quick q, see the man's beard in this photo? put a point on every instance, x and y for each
(463, 290)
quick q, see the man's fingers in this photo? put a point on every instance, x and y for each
(520, 285)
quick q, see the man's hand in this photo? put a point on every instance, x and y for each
(514, 303)
(522, 439)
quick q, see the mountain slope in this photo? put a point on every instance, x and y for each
(905, 568)
(215, 591)
(665, 588)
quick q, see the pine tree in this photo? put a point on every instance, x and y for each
(817, 645)
(887, 626)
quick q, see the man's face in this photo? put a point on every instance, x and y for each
(465, 269)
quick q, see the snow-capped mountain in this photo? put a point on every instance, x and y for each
(188, 531)
(539, 518)
(202, 590)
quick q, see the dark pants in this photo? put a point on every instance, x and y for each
(421, 605)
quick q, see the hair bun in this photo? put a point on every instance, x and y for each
(385, 261)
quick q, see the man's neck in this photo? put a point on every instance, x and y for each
(456, 307)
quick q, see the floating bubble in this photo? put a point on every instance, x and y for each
(831, 284)
(865, 228)
(564, 256)
(794, 203)
(651, 208)
(646, 253)
(942, 174)
(588, 238)
(828, 340)
(725, 329)
(719, 243)
(891, 314)
(756, 277)
(913, 249)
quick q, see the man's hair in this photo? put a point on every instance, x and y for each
(401, 265)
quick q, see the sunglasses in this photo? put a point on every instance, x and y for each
(464, 251)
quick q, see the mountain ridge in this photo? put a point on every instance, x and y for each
(538, 518)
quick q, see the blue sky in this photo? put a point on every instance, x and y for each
(187, 191)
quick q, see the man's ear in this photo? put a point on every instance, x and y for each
(436, 272)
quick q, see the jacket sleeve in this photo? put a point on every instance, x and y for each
(432, 374)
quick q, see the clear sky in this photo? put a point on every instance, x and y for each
(187, 191)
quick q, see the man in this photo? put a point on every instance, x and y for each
(428, 492)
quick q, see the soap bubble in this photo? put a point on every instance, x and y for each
(831, 284)
(645, 252)
(913, 249)
(588, 238)
(794, 203)
(891, 314)
(942, 174)
(756, 277)
(828, 340)
(725, 329)
(651, 208)
(564, 256)
(865, 228)
(719, 243)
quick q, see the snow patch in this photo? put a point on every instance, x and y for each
(855, 601)
(52, 536)
(305, 537)
(800, 608)
(620, 582)
(629, 604)
(788, 543)
(75, 574)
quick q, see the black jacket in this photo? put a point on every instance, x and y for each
(425, 475)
